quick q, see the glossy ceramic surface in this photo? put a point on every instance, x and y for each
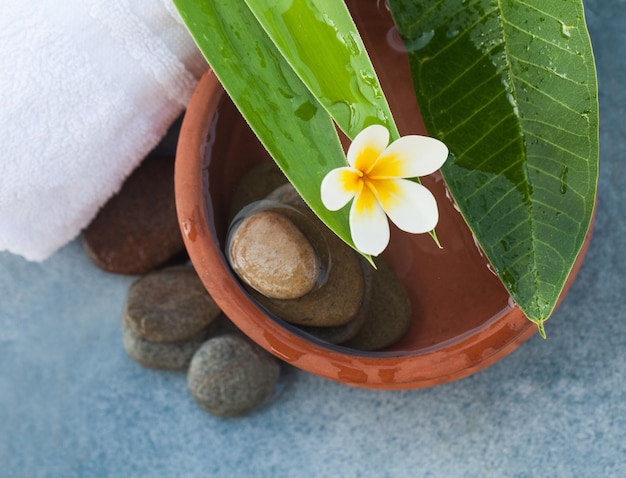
(463, 319)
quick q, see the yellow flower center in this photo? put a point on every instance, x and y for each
(368, 189)
(366, 159)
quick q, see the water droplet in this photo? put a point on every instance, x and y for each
(585, 114)
(421, 41)
(351, 44)
(513, 103)
(383, 6)
(306, 111)
(189, 228)
(285, 93)
(371, 81)
(346, 109)
(509, 279)
(564, 180)
(511, 303)
(394, 40)
(452, 201)
(565, 33)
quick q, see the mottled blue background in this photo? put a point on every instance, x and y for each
(72, 404)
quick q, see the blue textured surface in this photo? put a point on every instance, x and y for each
(72, 404)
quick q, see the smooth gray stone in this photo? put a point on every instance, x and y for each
(161, 356)
(231, 376)
(169, 305)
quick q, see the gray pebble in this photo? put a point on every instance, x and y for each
(230, 376)
(389, 312)
(162, 356)
(169, 305)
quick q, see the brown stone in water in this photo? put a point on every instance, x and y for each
(270, 254)
(137, 230)
(343, 333)
(255, 185)
(389, 312)
(287, 194)
(386, 313)
(169, 305)
(338, 300)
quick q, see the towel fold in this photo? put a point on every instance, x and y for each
(89, 87)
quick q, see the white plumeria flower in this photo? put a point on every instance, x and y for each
(376, 179)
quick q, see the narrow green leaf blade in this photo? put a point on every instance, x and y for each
(510, 87)
(289, 121)
(321, 43)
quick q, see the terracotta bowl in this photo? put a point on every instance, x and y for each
(463, 319)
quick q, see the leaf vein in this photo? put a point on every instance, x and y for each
(565, 150)
(542, 67)
(541, 92)
(555, 45)
(460, 77)
(553, 126)
(465, 32)
(475, 113)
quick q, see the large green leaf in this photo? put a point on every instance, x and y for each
(290, 77)
(510, 87)
(289, 121)
(321, 43)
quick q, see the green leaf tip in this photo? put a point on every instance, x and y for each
(541, 328)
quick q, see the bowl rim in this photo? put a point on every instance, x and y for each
(441, 363)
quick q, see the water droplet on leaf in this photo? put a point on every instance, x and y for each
(564, 180)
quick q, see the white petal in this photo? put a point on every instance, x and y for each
(413, 209)
(369, 230)
(418, 155)
(374, 137)
(333, 190)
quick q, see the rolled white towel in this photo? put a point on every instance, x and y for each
(89, 87)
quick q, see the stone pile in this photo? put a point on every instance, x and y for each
(305, 275)
(287, 259)
(170, 322)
